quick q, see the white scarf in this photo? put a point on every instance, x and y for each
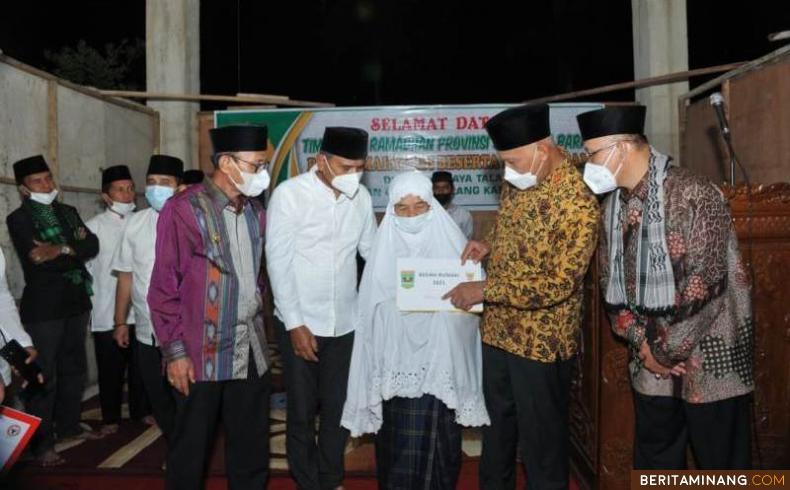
(655, 281)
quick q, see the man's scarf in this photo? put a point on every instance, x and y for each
(655, 284)
(49, 222)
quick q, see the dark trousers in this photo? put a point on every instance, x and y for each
(61, 355)
(115, 366)
(157, 389)
(418, 445)
(719, 433)
(243, 407)
(312, 386)
(527, 402)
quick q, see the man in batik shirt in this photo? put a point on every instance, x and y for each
(677, 291)
(540, 248)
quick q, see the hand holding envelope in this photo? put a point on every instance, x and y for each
(428, 285)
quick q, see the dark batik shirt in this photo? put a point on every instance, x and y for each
(711, 327)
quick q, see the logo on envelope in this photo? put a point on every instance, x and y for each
(407, 279)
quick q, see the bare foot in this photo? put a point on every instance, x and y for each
(108, 429)
(49, 459)
(149, 420)
(85, 435)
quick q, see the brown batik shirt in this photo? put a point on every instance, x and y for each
(710, 328)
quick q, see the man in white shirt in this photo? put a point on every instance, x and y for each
(114, 363)
(133, 261)
(317, 223)
(443, 191)
(11, 329)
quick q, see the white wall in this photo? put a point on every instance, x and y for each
(79, 132)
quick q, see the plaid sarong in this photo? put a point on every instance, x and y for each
(419, 445)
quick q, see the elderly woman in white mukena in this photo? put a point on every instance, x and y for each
(415, 378)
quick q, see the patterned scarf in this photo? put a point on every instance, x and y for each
(47, 220)
(655, 286)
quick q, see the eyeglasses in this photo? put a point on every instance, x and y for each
(615, 143)
(259, 166)
(599, 150)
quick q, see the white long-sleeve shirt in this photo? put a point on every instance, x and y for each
(108, 228)
(312, 239)
(10, 324)
(462, 218)
(136, 254)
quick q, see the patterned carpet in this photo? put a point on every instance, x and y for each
(134, 455)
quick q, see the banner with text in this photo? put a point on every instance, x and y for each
(427, 138)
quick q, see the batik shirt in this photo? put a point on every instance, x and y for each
(542, 244)
(710, 327)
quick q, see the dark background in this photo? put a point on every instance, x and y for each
(368, 52)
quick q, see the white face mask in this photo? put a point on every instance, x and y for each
(252, 184)
(122, 208)
(599, 178)
(348, 184)
(45, 198)
(519, 180)
(412, 224)
(523, 181)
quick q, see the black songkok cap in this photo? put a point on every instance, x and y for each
(193, 177)
(625, 119)
(519, 126)
(117, 172)
(442, 176)
(239, 138)
(165, 165)
(351, 143)
(29, 166)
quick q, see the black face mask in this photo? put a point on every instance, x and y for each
(444, 199)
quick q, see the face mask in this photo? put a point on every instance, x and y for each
(348, 184)
(599, 178)
(122, 208)
(252, 184)
(45, 198)
(522, 181)
(157, 195)
(412, 224)
(444, 199)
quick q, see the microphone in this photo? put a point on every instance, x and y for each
(717, 101)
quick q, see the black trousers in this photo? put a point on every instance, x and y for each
(527, 402)
(157, 389)
(243, 407)
(61, 355)
(312, 387)
(719, 433)
(116, 366)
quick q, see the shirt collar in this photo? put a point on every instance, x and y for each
(221, 200)
(639, 191)
(325, 188)
(113, 215)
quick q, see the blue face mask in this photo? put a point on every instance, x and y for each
(157, 195)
